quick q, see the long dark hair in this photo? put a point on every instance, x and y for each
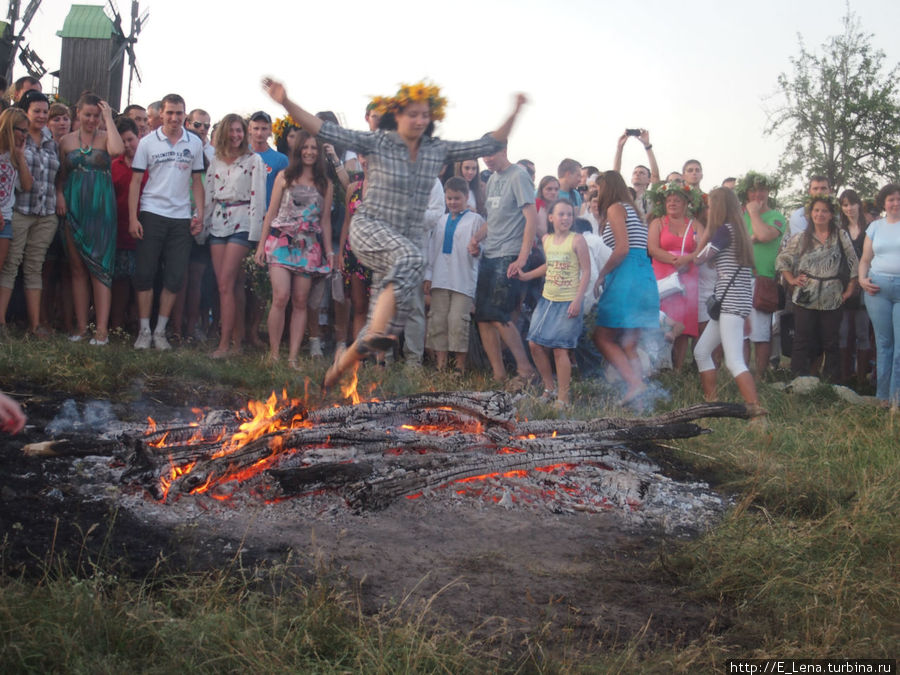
(808, 234)
(295, 166)
(852, 197)
(475, 185)
(611, 189)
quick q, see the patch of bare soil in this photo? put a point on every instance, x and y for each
(573, 579)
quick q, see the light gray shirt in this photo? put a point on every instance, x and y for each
(508, 192)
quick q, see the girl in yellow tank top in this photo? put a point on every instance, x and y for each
(556, 322)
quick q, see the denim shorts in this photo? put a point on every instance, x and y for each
(241, 238)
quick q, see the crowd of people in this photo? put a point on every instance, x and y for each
(156, 222)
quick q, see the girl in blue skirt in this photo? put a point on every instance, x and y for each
(630, 299)
(556, 321)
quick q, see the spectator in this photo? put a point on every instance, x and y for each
(13, 171)
(138, 114)
(569, 175)
(123, 270)
(34, 220)
(235, 207)
(507, 236)
(88, 200)
(811, 264)
(450, 276)
(154, 116)
(160, 216)
(879, 276)
(819, 186)
(642, 177)
(727, 243)
(296, 229)
(766, 227)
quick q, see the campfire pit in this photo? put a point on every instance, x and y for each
(425, 446)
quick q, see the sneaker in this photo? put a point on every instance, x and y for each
(99, 343)
(160, 342)
(144, 339)
(315, 348)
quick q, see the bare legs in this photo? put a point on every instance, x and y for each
(226, 261)
(619, 347)
(492, 332)
(287, 286)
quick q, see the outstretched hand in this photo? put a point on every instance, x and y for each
(275, 90)
(521, 99)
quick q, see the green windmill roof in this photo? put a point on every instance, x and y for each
(87, 21)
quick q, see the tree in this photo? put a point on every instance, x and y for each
(841, 117)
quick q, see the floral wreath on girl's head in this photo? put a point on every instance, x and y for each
(659, 192)
(753, 180)
(421, 92)
(283, 125)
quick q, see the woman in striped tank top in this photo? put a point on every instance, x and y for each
(630, 299)
(726, 245)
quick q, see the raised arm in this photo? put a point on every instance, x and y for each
(278, 93)
(620, 146)
(651, 158)
(114, 145)
(502, 133)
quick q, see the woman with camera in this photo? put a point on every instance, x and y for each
(821, 266)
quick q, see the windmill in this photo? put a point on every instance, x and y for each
(138, 21)
(11, 42)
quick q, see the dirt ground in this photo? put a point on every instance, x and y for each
(497, 574)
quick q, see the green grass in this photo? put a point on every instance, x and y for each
(805, 564)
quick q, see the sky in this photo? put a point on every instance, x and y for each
(700, 76)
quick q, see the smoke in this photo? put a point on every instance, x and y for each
(96, 416)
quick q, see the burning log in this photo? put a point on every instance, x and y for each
(378, 451)
(72, 447)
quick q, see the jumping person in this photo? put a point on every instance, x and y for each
(403, 159)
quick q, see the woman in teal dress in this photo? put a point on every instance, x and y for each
(88, 201)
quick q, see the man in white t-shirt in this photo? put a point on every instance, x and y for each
(160, 217)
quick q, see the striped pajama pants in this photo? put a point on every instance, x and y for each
(393, 259)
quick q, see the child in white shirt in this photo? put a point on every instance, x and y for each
(450, 277)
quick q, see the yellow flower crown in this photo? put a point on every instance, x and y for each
(421, 92)
(282, 124)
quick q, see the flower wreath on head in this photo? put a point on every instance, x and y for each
(283, 125)
(660, 191)
(753, 180)
(835, 205)
(421, 92)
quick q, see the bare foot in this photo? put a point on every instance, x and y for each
(633, 393)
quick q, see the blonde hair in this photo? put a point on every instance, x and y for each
(724, 207)
(8, 120)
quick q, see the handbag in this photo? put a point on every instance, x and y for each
(714, 304)
(854, 301)
(765, 295)
(671, 283)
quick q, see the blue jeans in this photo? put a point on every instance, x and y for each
(884, 312)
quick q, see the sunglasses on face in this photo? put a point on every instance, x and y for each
(199, 125)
